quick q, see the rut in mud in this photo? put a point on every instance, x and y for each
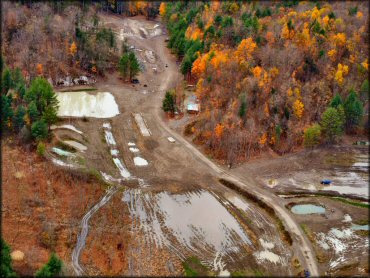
(81, 238)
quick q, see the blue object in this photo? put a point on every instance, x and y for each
(306, 273)
(326, 182)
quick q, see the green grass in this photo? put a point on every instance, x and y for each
(307, 231)
(353, 203)
(361, 222)
(79, 90)
(193, 267)
(244, 273)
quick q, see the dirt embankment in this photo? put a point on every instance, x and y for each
(42, 206)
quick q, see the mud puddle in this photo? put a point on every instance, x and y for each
(201, 224)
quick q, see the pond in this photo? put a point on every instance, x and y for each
(83, 104)
(307, 209)
(360, 227)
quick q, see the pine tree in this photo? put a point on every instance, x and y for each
(337, 100)
(19, 117)
(168, 104)
(39, 130)
(32, 111)
(6, 261)
(52, 268)
(353, 109)
(6, 110)
(134, 65)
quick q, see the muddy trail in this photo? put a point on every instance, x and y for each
(81, 239)
(177, 207)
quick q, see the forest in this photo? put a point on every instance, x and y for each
(272, 75)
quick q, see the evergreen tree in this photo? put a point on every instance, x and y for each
(39, 130)
(134, 65)
(19, 117)
(243, 109)
(337, 100)
(42, 94)
(6, 81)
(6, 110)
(354, 111)
(52, 268)
(186, 65)
(331, 124)
(6, 261)
(50, 116)
(168, 104)
(33, 112)
(123, 65)
(44, 272)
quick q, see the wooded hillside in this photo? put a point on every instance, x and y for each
(266, 71)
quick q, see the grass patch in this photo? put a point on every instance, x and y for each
(79, 90)
(193, 267)
(362, 233)
(307, 231)
(65, 147)
(361, 222)
(244, 273)
(350, 202)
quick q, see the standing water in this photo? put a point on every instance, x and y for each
(307, 209)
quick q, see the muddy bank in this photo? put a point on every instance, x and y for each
(42, 207)
(339, 236)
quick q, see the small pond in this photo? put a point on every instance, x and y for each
(307, 209)
(360, 227)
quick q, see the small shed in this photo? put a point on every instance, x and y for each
(192, 105)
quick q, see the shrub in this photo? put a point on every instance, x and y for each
(332, 124)
(312, 136)
(40, 149)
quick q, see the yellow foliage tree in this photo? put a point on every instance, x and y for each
(162, 8)
(263, 139)
(73, 49)
(332, 54)
(39, 69)
(245, 50)
(341, 72)
(365, 64)
(340, 39)
(257, 71)
(219, 130)
(298, 108)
